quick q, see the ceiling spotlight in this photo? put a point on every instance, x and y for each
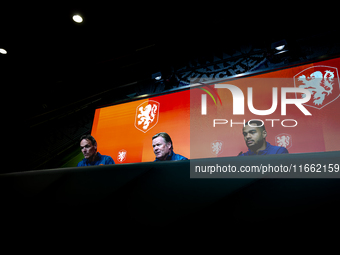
(282, 51)
(157, 76)
(280, 47)
(77, 18)
(3, 51)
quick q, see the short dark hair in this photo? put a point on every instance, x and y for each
(89, 137)
(166, 137)
(258, 123)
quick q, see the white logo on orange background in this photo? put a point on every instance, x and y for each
(121, 156)
(147, 115)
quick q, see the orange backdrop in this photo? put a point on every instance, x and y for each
(179, 114)
(114, 128)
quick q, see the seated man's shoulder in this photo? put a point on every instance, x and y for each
(178, 157)
(108, 159)
(278, 150)
(247, 153)
(81, 163)
(282, 150)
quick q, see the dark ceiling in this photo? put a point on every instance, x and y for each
(61, 63)
(120, 43)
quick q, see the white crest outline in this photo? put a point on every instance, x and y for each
(212, 150)
(284, 134)
(122, 150)
(157, 115)
(296, 86)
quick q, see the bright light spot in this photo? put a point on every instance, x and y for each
(280, 47)
(158, 78)
(77, 18)
(282, 51)
(3, 51)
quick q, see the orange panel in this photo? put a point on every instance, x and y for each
(129, 127)
(115, 128)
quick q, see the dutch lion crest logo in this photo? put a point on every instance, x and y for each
(216, 147)
(284, 140)
(322, 82)
(147, 115)
(121, 155)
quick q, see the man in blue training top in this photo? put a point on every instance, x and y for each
(88, 146)
(164, 149)
(255, 136)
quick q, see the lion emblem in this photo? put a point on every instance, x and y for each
(216, 147)
(121, 155)
(147, 115)
(322, 82)
(319, 85)
(284, 140)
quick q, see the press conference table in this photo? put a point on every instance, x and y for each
(163, 194)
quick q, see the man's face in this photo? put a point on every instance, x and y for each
(254, 136)
(161, 148)
(87, 148)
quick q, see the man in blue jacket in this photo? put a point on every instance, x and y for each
(88, 146)
(164, 149)
(255, 137)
